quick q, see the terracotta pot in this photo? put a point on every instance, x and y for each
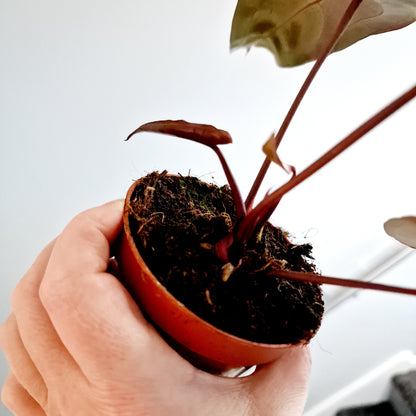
(204, 345)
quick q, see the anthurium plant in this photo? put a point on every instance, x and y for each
(402, 229)
(298, 31)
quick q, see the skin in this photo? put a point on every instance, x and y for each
(78, 345)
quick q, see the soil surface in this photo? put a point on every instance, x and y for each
(176, 221)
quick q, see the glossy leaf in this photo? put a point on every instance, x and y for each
(402, 229)
(296, 31)
(204, 134)
(201, 133)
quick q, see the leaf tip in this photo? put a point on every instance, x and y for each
(402, 229)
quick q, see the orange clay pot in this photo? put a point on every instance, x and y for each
(204, 345)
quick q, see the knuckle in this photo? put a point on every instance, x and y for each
(17, 398)
(58, 286)
(6, 333)
(9, 393)
(52, 295)
(19, 294)
(88, 224)
(40, 393)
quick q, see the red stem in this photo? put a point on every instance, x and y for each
(255, 214)
(358, 284)
(238, 200)
(308, 81)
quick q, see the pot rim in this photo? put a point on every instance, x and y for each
(257, 352)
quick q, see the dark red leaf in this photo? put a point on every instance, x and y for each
(201, 133)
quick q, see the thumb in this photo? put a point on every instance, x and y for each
(281, 387)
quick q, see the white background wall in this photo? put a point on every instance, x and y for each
(76, 77)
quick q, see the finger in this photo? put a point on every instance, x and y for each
(95, 316)
(21, 365)
(37, 333)
(113, 268)
(18, 400)
(86, 241)
(281, 387)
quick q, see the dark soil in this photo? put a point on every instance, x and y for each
(176, 222)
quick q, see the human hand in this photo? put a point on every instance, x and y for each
(78, 345)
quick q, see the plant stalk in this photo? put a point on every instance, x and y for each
(238, 199)
(351, 283)
(308, 81)
(256, 217)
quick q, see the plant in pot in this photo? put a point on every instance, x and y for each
(225, 287)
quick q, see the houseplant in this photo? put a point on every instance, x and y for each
(246, 223)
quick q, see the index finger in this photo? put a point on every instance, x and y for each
(86, 240)
(92, 312)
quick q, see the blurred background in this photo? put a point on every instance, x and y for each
(77, 77)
